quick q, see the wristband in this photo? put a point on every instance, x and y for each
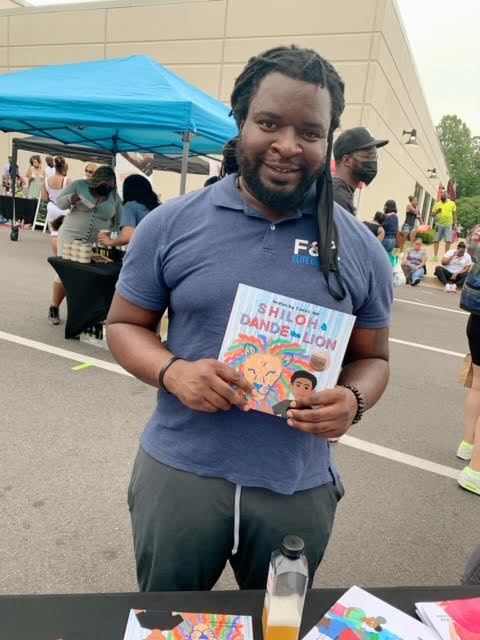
(360, 398)
(163, 371)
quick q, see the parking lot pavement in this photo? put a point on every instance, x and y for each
(69, 439)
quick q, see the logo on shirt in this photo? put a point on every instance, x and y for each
(306, 252)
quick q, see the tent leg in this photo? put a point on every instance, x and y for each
(13, 174)
(186, 149)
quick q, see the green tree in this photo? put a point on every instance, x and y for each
(461, 153)
(468, 212)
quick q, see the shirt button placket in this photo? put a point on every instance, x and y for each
(269, 237)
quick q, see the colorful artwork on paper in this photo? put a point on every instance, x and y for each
(464, 618)
(164, 625)
(358, 615)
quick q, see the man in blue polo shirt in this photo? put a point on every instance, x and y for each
(213, 482)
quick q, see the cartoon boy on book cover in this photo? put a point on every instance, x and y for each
(303, 383)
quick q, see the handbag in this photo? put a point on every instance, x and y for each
(470, 298)
(423, 228)
(465, 375)
(399, 278)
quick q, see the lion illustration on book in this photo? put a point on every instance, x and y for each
(267, 364)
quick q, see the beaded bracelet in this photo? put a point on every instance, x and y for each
(360, 398)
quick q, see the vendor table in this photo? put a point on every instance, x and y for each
(104, 616)
(24, 208)
(89, 289)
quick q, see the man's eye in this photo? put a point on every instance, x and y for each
(311, 135)
(268, 125)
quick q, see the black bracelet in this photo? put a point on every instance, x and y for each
(360, 398)
(163, 370)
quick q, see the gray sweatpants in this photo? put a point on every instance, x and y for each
(184, 527)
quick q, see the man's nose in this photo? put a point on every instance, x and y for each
(286, 142)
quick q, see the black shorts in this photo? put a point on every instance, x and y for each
(473, 335)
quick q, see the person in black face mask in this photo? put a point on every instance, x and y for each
(93, 205)
(355, 153)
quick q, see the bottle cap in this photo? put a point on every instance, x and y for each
(292, 546)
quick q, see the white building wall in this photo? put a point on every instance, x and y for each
(208, 42)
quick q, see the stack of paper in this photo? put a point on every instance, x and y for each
(452, 619)
(359, 615)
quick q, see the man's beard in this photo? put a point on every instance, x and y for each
(275, 200)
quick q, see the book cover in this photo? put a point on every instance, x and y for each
(452, 619)
(359, 615)
(150, 624)
(284, 347)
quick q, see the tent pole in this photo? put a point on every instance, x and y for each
(13, 175)
(186, 149)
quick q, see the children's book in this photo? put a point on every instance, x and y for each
(452, 619)
(359, 615)
(151, 624)
(284, 347)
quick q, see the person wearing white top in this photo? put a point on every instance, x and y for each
(51, 188)
(455, 265)
(50, 168)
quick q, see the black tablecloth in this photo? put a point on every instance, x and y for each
(89, 288)
(24, 208)
(104, 616)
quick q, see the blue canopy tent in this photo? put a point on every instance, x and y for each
(122, 104)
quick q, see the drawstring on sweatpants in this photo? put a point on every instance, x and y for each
(236, 519)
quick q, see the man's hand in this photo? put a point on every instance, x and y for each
(207, 385)
(327, 413)
(74, 198)
(453, 276)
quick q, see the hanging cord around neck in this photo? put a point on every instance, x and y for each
(328, 240)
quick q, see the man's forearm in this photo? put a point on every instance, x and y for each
(139, 351)
(370, 376)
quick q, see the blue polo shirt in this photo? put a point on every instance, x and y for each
(190, 257)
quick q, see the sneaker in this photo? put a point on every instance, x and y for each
(53, 315)
(453, 288)
(464, 451)
(447, 288)
(415, 282)
(469, 480)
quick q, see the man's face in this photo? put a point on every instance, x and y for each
(363, 164)
(283, 141)
(301, 387)
(461, 251)
(443, 196)
(417, 246)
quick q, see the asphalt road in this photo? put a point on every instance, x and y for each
(69, 438)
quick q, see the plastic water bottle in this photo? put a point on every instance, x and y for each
(286, 589)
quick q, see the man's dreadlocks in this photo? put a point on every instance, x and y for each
(308, 66)
(300, 64)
